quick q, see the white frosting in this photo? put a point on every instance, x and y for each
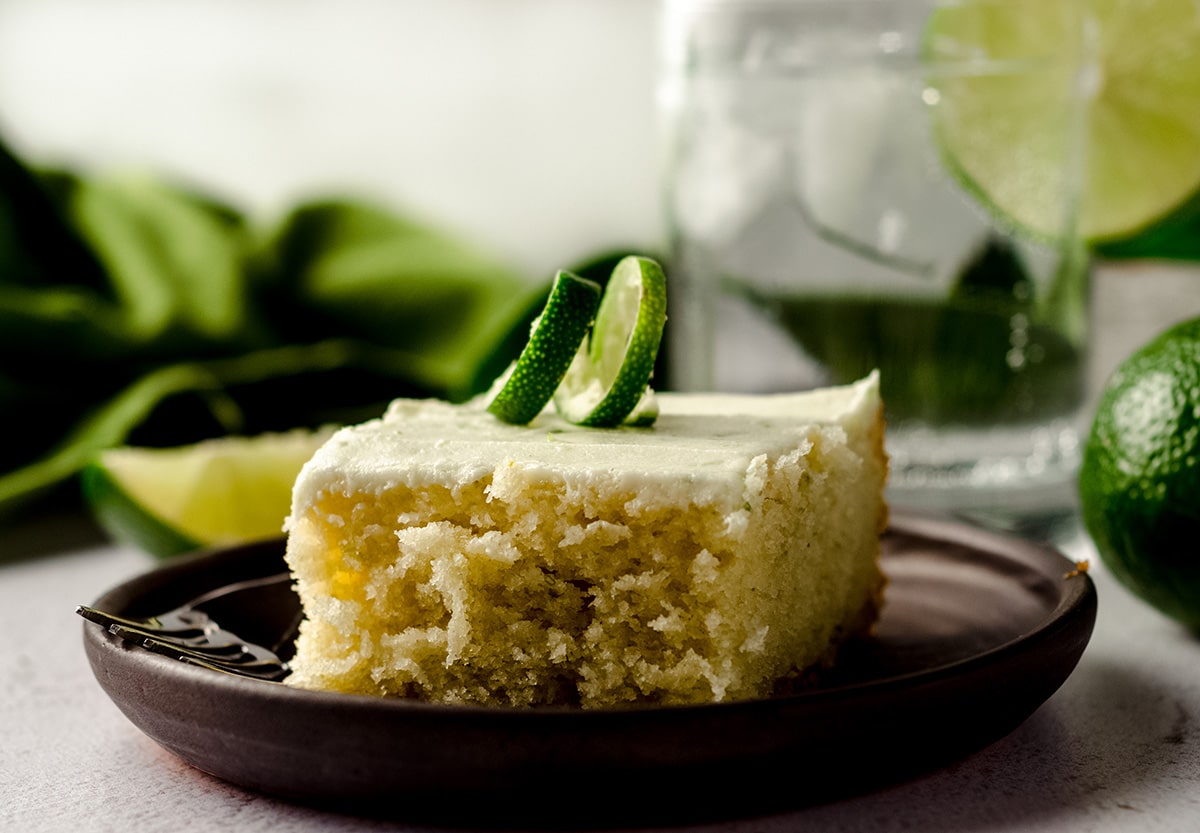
(701, 448)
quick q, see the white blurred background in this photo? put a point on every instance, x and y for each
(528, 125)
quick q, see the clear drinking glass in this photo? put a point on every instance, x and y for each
(859, 184)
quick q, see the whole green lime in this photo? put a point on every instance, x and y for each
(1139, 485)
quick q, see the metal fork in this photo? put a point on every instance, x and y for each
(191, 633)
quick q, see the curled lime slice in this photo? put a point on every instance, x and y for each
(530, 381)
(608, 381)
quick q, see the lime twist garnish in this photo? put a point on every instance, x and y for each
(608, 381)
(530, 382)
(594, 356)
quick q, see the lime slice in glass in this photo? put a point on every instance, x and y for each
(529, 383)
(608, 380)
(1021, 90)
(221, 491)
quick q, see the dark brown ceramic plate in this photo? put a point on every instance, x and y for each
(977, 632)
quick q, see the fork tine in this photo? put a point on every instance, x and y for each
(248, 660)
(258, 668)
(154, 623)
(217, 642)
(212, 638)
(166, 645)
(191, 632)
(270, 672)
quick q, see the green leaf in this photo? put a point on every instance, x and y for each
(105, 427)
(356, 270)
(173, 258)
(37, 245)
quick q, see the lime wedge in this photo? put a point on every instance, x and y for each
(608, 380)
(1130, 70)
(221, 491)
(529, 383)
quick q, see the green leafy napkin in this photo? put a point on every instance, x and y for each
(135, 310)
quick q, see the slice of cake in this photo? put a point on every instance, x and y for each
(443, 555)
